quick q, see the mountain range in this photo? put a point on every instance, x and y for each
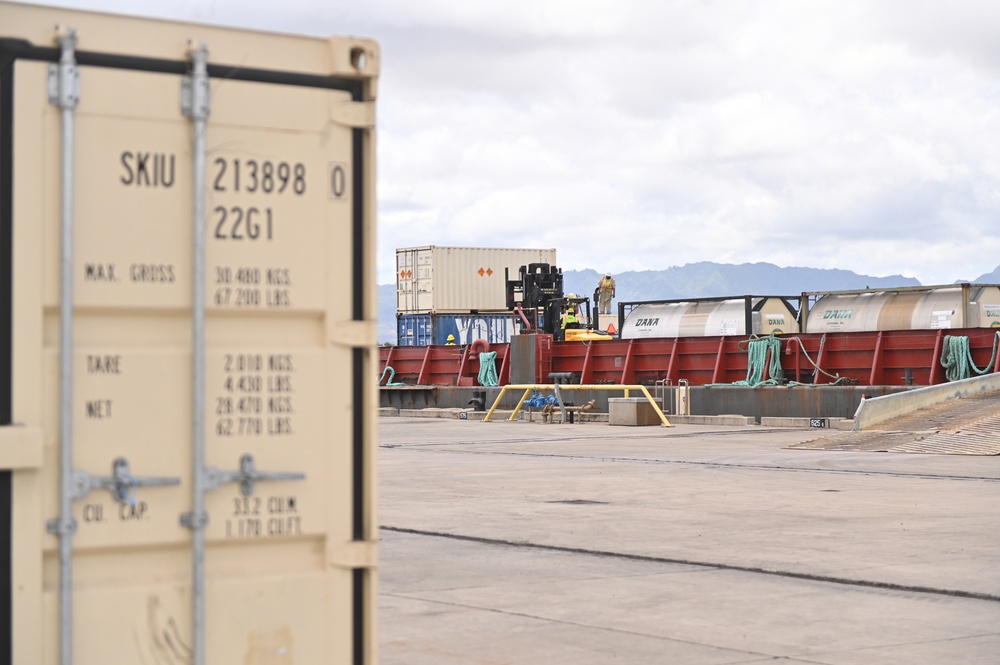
(699, 280)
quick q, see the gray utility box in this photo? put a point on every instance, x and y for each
(633, 411)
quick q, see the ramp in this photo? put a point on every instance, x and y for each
(963, 426)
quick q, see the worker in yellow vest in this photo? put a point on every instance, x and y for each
(451, 340)
(606, 287)
(569, 320)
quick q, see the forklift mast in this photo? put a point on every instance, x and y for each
(538, 290)
(537, 285)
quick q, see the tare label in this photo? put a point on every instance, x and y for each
(270, 403)
(266, 395)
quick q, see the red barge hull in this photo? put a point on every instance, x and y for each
(883, 358)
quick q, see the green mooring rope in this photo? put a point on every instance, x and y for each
(956, 358)
(392, 374)
(757, 360)
(757, 350)
(488, 369)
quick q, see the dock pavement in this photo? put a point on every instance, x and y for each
(585, 544)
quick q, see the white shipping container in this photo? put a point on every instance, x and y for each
(459, 279)
(176, 350)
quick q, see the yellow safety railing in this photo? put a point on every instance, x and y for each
(529, 387)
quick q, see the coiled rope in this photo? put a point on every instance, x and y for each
(837, 378)
(488, 369)
(956, 358)
(757, 350)
(392, 374)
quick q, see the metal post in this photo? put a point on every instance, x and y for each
(964, 319)
(66, 98)
(559, 399)
(197, 108)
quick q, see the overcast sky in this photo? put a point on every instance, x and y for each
(643, 134)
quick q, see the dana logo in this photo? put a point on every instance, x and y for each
(644, 323)
(837, 314)
(780, 321)
(992, 314)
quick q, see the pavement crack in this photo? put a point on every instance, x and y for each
(829, 579)
(710, 465)
(589, 626)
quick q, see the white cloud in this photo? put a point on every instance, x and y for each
(642, 134)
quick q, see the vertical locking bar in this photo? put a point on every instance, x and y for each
(196, 106)
(66, 98)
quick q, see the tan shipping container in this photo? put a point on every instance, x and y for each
(187, 424)
(459, 279)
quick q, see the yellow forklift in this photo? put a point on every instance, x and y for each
(537, 298)
(578, 331)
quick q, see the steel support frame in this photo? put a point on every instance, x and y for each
(878, 361)
(628, 367)
(527, 388)
(386, 360)
(424, 376)
(503, 375)
(587, 371)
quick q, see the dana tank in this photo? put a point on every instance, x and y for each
(760, 315)
(910, 308)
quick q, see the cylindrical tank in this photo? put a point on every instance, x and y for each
(910, 309)
(987, 307)
(707, 318)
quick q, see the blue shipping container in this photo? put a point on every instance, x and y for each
(431, 328)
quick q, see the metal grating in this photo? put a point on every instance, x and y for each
(965, 426)
(981, 437)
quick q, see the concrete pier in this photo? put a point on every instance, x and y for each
(587, 544)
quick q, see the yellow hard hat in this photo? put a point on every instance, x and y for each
(451, 338)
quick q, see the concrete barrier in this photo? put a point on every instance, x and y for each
(632, 411)
(877, 410)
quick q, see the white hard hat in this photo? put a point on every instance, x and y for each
(607, 274)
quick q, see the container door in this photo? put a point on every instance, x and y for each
(415, 280)
(289, 558)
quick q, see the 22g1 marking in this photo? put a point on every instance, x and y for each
(236, 223)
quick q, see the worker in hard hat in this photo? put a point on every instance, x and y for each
(451, 340)
(569, 320)
(606, 287)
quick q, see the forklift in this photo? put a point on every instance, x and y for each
(537, 298)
